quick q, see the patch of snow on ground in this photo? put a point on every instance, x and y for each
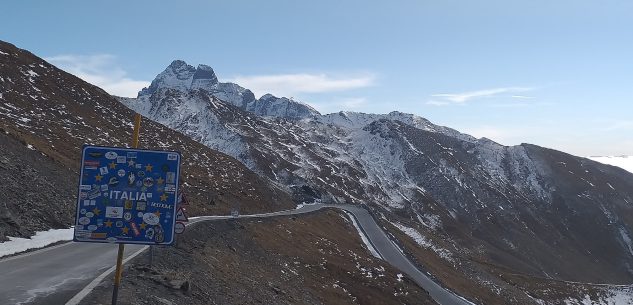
(422, 241)
(39, 240)
(624, 162)
(614, 296)
(371, 248)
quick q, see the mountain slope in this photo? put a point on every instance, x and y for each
(53, 114)
(470, 202)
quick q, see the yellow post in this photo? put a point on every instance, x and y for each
(119, 259)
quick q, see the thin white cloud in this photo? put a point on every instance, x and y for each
(523, 97)
(294, 84)
(101, 70)
(464, 97)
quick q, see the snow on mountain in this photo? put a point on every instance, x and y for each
(180, 76)
(624, 162)
(534, 210)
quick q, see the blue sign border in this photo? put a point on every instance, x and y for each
(80, 229)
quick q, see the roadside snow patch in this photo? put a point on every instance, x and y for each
(371, 248)
(39, 240)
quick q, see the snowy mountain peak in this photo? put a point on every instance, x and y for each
(184, 78)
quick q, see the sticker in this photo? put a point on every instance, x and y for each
(85, 187)
(131, 178)
(135, 229)
(141, 174)
(172, 157)
(159, 237)
(119, 224)
(121, 159)
(160, 180)
(128, 204)
(82, 233)
(139, 166)
(171, 177)
(83, 211)
(130, 163)
(148, 182)
(91, 164)
(108, 224)
(149, 234)
(121, 173)
(98, 235)
(84, 220)
(131, 154)
(89, 214)
(111, 155)
(103, 170)
(79, 227)
(92, 227)
(113, 182)
(141, 205)
(149, 167)
(94, 202)
(170, 188)
(140, 214)
(96, 154)
(151, 219)
(127, 216)
(83, 195)
(104, 187)
(114, 212)
(139, 183)
(161, 205)
(94, 194)
(87, 202)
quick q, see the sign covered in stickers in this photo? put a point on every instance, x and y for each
(127, 196)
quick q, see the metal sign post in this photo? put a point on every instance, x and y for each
(119, 259)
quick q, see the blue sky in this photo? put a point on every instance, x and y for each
(553, 73)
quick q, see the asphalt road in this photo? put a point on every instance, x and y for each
(54, 275)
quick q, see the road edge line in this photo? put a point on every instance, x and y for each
(84, 292)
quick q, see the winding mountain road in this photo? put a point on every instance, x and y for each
(59, 274)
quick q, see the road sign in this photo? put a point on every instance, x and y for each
(182, 199)
(181, 216)
(179, 227)
(127, 196)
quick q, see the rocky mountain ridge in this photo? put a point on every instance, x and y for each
(182, 77)
(47, 115)
(526, 208)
